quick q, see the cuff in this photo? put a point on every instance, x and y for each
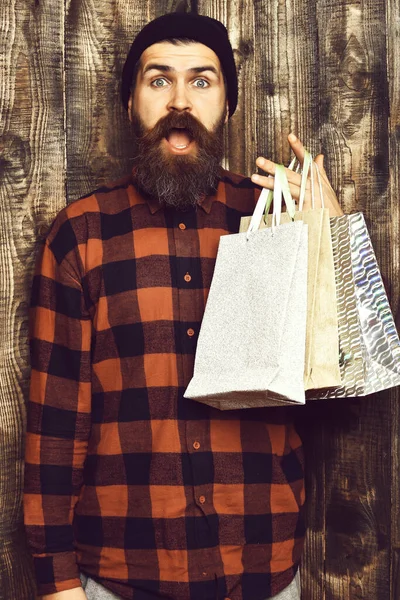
(56, 572)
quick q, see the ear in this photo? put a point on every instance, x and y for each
(130, 108)
(227, 113)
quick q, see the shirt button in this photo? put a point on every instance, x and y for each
(190, 332)
(182, 226)
(196, 445)
(202, 499)
(187, 277)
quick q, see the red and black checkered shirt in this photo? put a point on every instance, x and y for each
(151, 494)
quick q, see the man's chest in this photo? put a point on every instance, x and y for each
(161, 270)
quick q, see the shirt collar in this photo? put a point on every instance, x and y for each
(205, 202)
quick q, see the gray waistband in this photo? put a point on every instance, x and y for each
(95, 591)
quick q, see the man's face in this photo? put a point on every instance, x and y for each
(179, 79)
(178, 109)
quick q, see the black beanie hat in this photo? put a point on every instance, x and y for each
(207, 31)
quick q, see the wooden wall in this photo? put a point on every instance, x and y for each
(327, 70)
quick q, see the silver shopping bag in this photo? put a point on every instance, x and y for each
(379, 339)
(369, 345)
(251, 345)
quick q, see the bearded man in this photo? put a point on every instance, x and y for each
(133, 491)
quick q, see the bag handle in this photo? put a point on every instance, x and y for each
(266, 197)
(309, 165)
(271, 194)
(281, 188)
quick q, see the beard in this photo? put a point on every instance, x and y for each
(177, 180)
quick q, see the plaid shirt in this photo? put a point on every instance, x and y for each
(151, 494)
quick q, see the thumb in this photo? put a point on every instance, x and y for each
(320, 161)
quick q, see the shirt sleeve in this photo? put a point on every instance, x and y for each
(59, 411)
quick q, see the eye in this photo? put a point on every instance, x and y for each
(159, 82)
(201, 83)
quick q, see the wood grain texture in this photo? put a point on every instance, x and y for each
(238, 16)
(357, 467)
(395, 497)
(98, 148)
(31, 193)
(310, 421)
(285, 61)
(354, 105)
(328, 71)
(393, 76)
(355, 436)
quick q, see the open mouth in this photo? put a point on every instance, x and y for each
(179, 138)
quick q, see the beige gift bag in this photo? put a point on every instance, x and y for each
(321, 369)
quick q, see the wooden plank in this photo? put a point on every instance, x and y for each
(31, 193)
(99, 145)
(310, 422)
(358, 499)
(157, 8)
(358, 441)
(394, 525)
(284, 76)
(241, 134)
(393, 76)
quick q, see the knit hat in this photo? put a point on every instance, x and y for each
(207, 31)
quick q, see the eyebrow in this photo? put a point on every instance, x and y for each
(168, 69)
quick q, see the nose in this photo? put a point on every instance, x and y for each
(179, 99)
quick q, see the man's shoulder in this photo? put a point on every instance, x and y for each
(111, 195)
(237, 180)
(85, 212)
(240, 192)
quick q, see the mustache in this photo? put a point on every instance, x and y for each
(175, 120)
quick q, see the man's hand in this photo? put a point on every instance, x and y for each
(330, 199)
(74, 594)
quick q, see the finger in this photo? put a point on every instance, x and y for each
(297, 147)
(266, 165)
(270, 167)
(319, 160)
(269, 182)
(294, 180)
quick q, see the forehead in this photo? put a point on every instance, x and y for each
(180, 57)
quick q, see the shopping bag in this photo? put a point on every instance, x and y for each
(369, 345)
(379, 338)
(251, 345)
(322, 341)
(349, 332)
